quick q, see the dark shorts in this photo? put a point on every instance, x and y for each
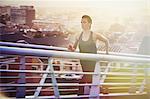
(87, 66)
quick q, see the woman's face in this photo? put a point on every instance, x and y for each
(85, 24)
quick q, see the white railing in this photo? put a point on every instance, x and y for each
(64, 49)
(94, 91)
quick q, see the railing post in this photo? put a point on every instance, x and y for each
(95, 90)
(62, 64)
(21, 91)
(54, 81)
(106, 71)
(142, 87)
(133, 80)
(38, 90)
(148, 82)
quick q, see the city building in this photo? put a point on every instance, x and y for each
(23, 15)
(5, 10)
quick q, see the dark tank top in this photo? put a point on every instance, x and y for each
(88, 46)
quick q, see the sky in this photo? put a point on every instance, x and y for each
(78, 3)
(113, 6)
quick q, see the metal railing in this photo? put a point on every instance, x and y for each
(50, 52)
(9, 44)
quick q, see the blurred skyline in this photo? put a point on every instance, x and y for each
(128, 18)
(103, 12)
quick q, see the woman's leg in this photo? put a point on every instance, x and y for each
(87, 66)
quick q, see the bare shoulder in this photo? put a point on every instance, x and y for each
(96, 35)
(99, 36)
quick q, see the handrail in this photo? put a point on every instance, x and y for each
(87, 96)
(10, 44)
(67, 72)
(65, 84)
(39, 51)
(85, 56)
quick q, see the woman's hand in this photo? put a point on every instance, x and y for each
(71, 48)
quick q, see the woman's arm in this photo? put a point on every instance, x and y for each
(72, 47)
(104, 39)
(76, 43)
